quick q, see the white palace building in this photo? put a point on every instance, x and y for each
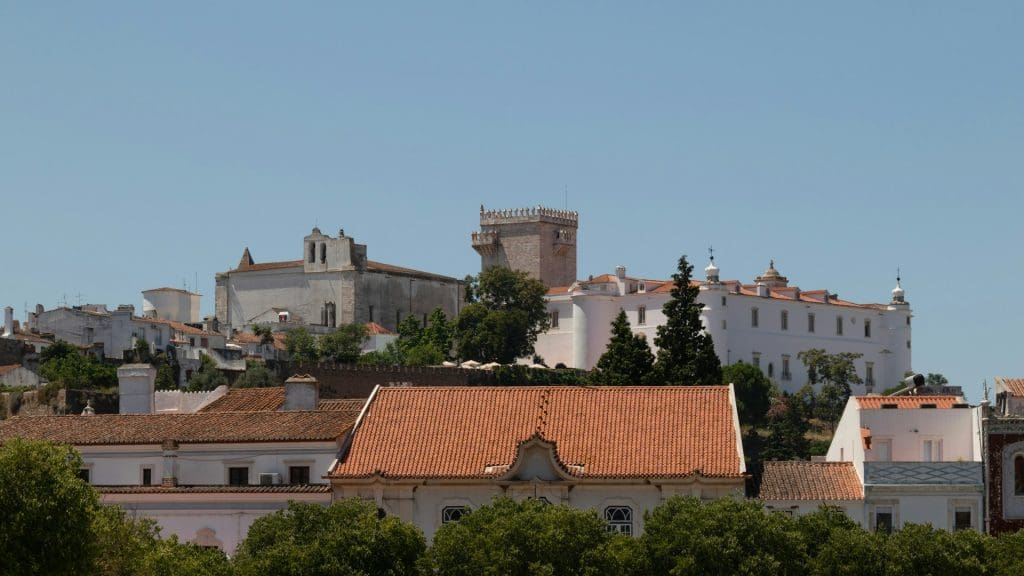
(766, 324)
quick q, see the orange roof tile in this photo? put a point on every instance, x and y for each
(908, 402)
(9, 368)
(270, 399)
(199, 428)
(374, 329)
(1014, 386)
(798, 480)
(614, 432)
(29, 337)
(218, 489)
(177, 326)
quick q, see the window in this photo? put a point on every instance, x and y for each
(619, 519)
(883, 519)
(554, 318)
(238, 476)
(753, 317)
(83, 474)
(282, 317)
(191, 341)
(908, 344)
(398, 318)
(839, 325)
(785, 368)
(931, 450)
(723, 323)
(723, 300)
(641, 316)
(810, 322)
(298, 474)
(784, 320)
(908, 320)
(323, 253)
(424, 319)
(756, 359)
(312, 252)
(371, 312)
(867, 328)
(147, 476)
(869, 373)
(453, 513)
(1018, 475)
(204, 342)
(962, 518)
(771, 370)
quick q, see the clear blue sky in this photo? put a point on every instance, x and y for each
(145, 145)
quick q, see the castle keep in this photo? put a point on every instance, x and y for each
(539, 241)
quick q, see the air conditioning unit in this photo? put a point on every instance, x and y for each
(269, 478)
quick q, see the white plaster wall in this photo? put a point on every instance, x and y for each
(171, 305)
(909, 428)
(847, 443)
(927, 505)
(20, 376)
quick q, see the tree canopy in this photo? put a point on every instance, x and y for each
(343, 345)
(62, 365)
(505, 312)
(836, 373)
(627, 361)
(754, 392)
(686, 354)
(208, 376)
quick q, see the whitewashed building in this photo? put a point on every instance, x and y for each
(429, 454)
(766, 323)
(916, 459)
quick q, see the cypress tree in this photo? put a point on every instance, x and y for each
(686, 354)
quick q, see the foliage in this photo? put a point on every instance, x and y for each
(936, 379)
(787, 430)
(505, 313)
(142, 352)
(836, 373)
(519, 375)
(920, 550)
(265, 332)
(256, 375)
(754, 392)
(530, 537)
(423, 345)
(347, 537)
(683, 536)
(46, 511)
(391, 355)
(207, 377)
(301, 346)
(66, 367)
(627, 361)
(344, 344)
(686, 354)
(847, 552)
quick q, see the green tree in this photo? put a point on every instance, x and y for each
(57, 350)
(347, 537)
(439, 332)
(391, 355)
(142, 352)
(725, 537)
(301, 346)
(627, 361)
(265, 332)
(1006, 554)
(256, 375)
(343, 345)
(70, 369)
(46, 511)
(686, 354)
(530, 537)
(505, 314)
(170, 558)
(920, 550)
(754, 392)
(836, 373)
(787, 430)
(848, 552)
(936, 379)
(207, 377)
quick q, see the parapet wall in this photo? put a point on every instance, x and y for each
(536, 214)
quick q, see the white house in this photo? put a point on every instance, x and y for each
(429, 454)
(204, 476)
(766, 324)
(917, 459)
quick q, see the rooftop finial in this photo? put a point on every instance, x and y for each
(711, 252)
(897, 275)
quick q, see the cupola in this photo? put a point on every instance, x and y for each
(772, 278)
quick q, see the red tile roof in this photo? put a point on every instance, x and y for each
(270, 399)
(200, 428)
(9, 368)
(908, 402)
(29, 337)
(176, 326)
(374, 329)
(615, 432)
(816, 481)
(250, 338)
(1013, 385)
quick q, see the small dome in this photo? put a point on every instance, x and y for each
(711, 272)
(897, 293)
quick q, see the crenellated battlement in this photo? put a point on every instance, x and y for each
(535, 214)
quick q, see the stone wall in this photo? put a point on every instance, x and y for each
(11, 351)
(997, 522)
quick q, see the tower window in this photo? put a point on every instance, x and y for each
(785, 368)
(312, 252)
(784, 320)
(723, 300)
(371, 312)
(869, 373)
(323, 253)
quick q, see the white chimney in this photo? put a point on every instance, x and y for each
(620, 271)
(136, 384)
(8, 322)
(762, 290)
(301, 392)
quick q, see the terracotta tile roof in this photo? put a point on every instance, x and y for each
(269, 266)
(9, 368)
(614, 432)
(908, 402)
(176, 326)
(29, 337)
(270, 399)
(219, 489)
(1014, 386)
(200, 428)
(374, 329)
(250, 338)
(796, 480)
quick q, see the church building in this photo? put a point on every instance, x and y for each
(332, 284)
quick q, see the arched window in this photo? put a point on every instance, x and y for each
(453, 513)
(619, 519)
(312, 252)
(1018, 475)
(323, 253)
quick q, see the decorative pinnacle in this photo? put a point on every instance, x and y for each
(711, 252)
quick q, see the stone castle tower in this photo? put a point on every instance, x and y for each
(539, 241)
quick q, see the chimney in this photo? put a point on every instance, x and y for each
(301, 392)
(8, 322)
(620, 272)
(169, 478)
(762, 289)
(136, 384)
